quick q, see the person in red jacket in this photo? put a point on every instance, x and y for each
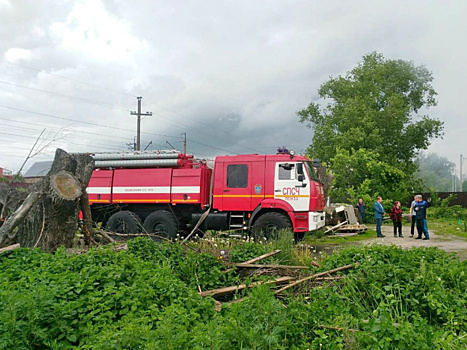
(396, 217)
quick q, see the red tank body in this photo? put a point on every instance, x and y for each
(170, 192)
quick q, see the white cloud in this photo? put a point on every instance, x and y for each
(17, 54)
(92, 31)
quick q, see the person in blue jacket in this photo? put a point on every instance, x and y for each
(379, 213)
(420, 216)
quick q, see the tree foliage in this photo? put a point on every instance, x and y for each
(374, 109)
(435, 171)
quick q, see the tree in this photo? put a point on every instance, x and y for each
(435, 171)
(374, 109)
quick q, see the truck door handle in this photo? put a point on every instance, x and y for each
(277, 190)
(226, 190)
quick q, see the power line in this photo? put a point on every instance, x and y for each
(68, 142)
(200, 122)
(74, 131)
(107, 126)
(71, 79)
(83, 122)
(113, 106)
(86, 100)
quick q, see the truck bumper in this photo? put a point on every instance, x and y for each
(316, 220)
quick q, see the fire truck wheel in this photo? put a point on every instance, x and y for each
(162, 222)
(124, 222)
(269, 224)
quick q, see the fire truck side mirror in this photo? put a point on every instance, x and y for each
(301, 177)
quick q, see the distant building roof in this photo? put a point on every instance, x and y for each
(38, 169)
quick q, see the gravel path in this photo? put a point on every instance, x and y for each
(449, 243)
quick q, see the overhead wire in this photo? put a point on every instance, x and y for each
(74, 131)
(84, 122)
(73, 143)
(191, 128)
(68, 78)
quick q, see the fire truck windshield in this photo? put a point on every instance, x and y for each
(311, 171)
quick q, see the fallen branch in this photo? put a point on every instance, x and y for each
(106, 236)
(271, 266)
(314, 263)
(261, 257)
(314, 277)
(258, 258)
(227, 290)
(10, 247)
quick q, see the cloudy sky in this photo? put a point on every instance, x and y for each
(229, 74)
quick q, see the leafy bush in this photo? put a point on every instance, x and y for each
(146, 298)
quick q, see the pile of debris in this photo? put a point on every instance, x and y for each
(343, 220)
(287, 279)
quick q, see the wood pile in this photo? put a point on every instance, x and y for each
(279, 284)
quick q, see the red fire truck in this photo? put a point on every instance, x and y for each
(170, 192)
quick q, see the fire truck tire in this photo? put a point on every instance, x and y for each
(124, 222)
(269, 224)
(161, 222)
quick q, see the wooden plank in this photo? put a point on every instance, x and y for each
(227, 290)
(334, 227)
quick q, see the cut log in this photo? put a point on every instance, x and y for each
(315, 276)
(232, 289)
(271, 266)
(10, 247)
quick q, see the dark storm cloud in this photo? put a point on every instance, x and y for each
(230, 74)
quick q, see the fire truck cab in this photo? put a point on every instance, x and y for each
(170, 193)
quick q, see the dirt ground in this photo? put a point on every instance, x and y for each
(448, 243)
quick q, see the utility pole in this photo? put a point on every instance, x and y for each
(461, 180)
(138, 127)
(184, 142)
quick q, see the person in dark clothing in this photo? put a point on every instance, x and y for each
(379, 213)
(420, 216)
(396, 217)
(361, 209)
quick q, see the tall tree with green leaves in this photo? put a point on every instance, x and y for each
(435, 171)
(375, 110)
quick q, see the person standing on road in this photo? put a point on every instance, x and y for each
(396, 217)
(361, 209)
(379, 213)
(420, 216)
(412, 215)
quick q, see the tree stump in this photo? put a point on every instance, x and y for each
(49, 219)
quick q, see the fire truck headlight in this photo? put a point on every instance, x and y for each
(315, 219)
